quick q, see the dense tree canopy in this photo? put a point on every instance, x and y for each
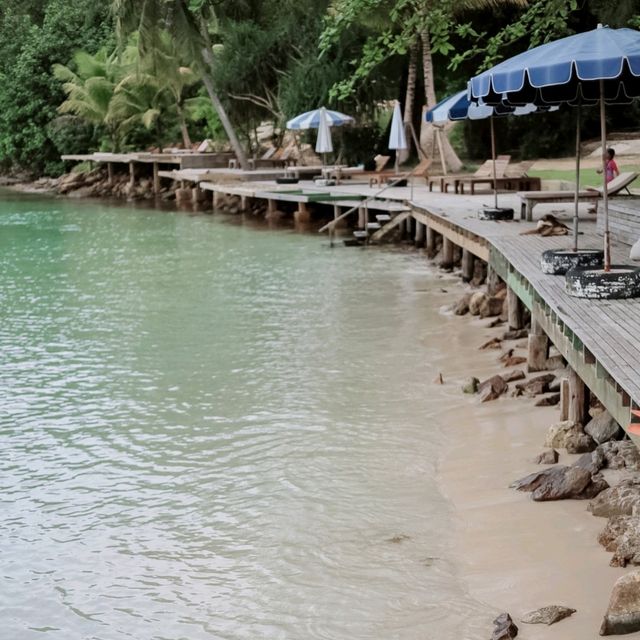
(79, 75)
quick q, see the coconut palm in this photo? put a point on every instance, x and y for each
(188, 24)
(90, 89)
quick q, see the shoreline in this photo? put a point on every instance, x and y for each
(513, 554)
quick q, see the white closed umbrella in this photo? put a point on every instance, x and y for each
(397, 137)
(323, 143)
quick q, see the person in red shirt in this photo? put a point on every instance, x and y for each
(611, 168)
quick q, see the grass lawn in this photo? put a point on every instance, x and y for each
(587, 176)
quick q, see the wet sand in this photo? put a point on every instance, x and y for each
(516, 555)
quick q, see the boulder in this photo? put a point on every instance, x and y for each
(548, 615)
(621, 500)
(549, 401)
(537, 385)
(622, 537)
(561, 483)
(623, 613)
(504, 628)
(603, 428)
(549, 456)
(515, 334)
(512, 376)
(494, 343)
(475, 301)
(616, 454)
(470, 385)
(555, 363)
(579, 443)
(489, 307)
(461, 307)
(569, 435)
(492, 388)
(514, 361)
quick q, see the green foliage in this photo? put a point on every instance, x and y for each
(33, 36)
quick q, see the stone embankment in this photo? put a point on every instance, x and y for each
(606, 473)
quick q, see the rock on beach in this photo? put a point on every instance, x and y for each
(561, 483)
(622, 537)
(621, 500)
(492, 388)
(623, 613)
(504, 628)
(548, 615)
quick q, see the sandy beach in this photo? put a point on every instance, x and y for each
(514, 554)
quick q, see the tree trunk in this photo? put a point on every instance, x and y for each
(207, 59)
(409, 99)
(427, 130)
(186, 139)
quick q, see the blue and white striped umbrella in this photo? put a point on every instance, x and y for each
(458, 107)
(311, 119)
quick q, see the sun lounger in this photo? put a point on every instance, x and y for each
(421, 170)
(483, 172)
(373, 176)
(529, 199)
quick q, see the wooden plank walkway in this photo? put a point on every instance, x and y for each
(608, 329)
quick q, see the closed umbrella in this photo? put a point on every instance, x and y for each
(323, 143)
(601, 65)
(397, 137)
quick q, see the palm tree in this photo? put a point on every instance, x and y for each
(90, 89)
(188, 24)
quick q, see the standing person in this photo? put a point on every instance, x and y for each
(611, 168)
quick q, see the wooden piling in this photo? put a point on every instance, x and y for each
(431, 242)
(468, 264)
(132, 175)
(565, 398)
(447, 254)
(110, 173)
(514, 310)
(538, 347)
(578, 398)
(493, 280)
(156, 178)
(302, 214)
(420, 234)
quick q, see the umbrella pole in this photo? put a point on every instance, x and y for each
(605, 195)
(493, 163)
(575, 213)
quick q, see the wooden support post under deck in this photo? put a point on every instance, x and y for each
(493, 280)
(514, 310)
(216, 199)
(565, 398)
(244, 203)
(156, 178)
(196, 194)
(468, 264)
(302, 214)
(132, 175)
(110, 173)
(431, 242)
(420, 233)
(361, 218)
(447, 254)
(578, 398)
(538, 348)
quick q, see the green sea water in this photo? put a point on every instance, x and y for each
(212, 430)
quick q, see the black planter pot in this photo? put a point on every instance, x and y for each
(287, 180)
(559, 261)
(622, 281)
(497, 213)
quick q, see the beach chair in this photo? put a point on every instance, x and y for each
(483, 172)
(421, 170)
(529, 199)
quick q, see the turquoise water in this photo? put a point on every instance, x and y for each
(209, 430)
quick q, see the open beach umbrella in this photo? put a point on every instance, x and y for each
(397, 137)
(601, 65)
(321, 119)
(459, 107)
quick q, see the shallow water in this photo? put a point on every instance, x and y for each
(213, 431)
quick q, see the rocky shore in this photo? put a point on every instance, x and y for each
(594, 463)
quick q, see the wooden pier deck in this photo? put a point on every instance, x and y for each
(600, 339)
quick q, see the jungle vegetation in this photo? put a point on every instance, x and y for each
(85, 75)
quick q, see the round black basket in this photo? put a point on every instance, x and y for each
(621, 281)
(495, 213)
(559, 261)
(287, 180)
